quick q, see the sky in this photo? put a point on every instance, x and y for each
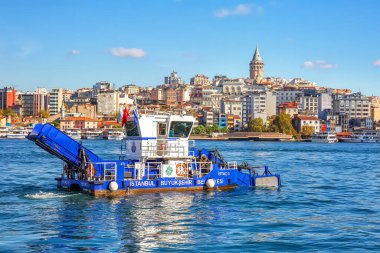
(76, 43)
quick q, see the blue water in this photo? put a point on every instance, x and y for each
(330, 201)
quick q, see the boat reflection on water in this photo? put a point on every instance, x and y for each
(158, 221)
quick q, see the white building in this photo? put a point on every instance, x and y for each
(287, 96)
(108, 102)
(55, 101)
(354, 105)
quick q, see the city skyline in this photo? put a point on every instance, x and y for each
(75, 44)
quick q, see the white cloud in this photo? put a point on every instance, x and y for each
(318, 64)
(377, 63)
(127, 52)
(239, 10)
(74, 52)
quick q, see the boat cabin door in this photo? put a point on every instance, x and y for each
(161, 138)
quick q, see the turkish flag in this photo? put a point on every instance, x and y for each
(125, 117)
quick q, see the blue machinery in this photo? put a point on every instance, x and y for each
(85, 171)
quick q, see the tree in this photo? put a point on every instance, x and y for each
(44, 114)
(257, 125)
(199, 130)
(223, 130)
(307, 131)
(283, 123)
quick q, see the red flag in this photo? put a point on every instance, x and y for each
(125, 117)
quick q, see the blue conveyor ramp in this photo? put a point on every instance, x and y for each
(59, 144)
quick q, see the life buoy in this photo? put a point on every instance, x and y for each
(181, 169)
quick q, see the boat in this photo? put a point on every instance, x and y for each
(92, 134)
(74, 133)
(363, 137)
(156, 156)
(324, 137)
(114, 134)
(3, 132)
(17, 133)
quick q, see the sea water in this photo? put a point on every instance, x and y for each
(329, 201)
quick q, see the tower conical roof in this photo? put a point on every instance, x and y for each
(257, 56)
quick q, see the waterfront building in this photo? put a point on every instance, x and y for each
(103, 86)
(233, 87)
(67, 95)
(86, 110)
(287, 95)
(232, 107)
(108, 102)
(55, 101)
(173, 80)
(7, 97)
(78, 123)
(200, 80)
(263, 102)
(256, 67)
(290, 108)
(34, 102)
(211, 97)
(305, 120)
(308, 102)
(324, 103)
(354, 105)
(222, 120)
(130, 89)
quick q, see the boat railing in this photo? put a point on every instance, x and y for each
(153, 170)
(164, 148)
(105, 171)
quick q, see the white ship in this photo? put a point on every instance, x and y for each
(17, 133)
(92, 134)
(324, 137)
(114, 134)
(76, 134)
(363, 137)
(3, 132)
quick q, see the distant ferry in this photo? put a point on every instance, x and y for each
(92, 134)
(324, 137)
(75, 134)
(363, 137)
(114, 134)
(3, 132)
(17, 133)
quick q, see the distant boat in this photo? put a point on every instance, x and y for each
(76, 134)
(3, 132)
(363, 137)
(92, 134)
(17, 133)
(114, 134)
(324, 137)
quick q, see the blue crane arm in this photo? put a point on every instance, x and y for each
(59, 144)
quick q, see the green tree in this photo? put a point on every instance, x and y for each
(283, 123)
(307, 131)
(44, 114)
(257, 125)
(199, 130)
(223, 130)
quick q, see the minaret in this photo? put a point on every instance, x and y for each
(256, 67)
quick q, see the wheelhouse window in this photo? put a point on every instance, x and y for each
(180, 129)
(131, 129)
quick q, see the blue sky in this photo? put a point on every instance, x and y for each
(75, 43)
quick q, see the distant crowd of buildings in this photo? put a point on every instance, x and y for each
(222, 101)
